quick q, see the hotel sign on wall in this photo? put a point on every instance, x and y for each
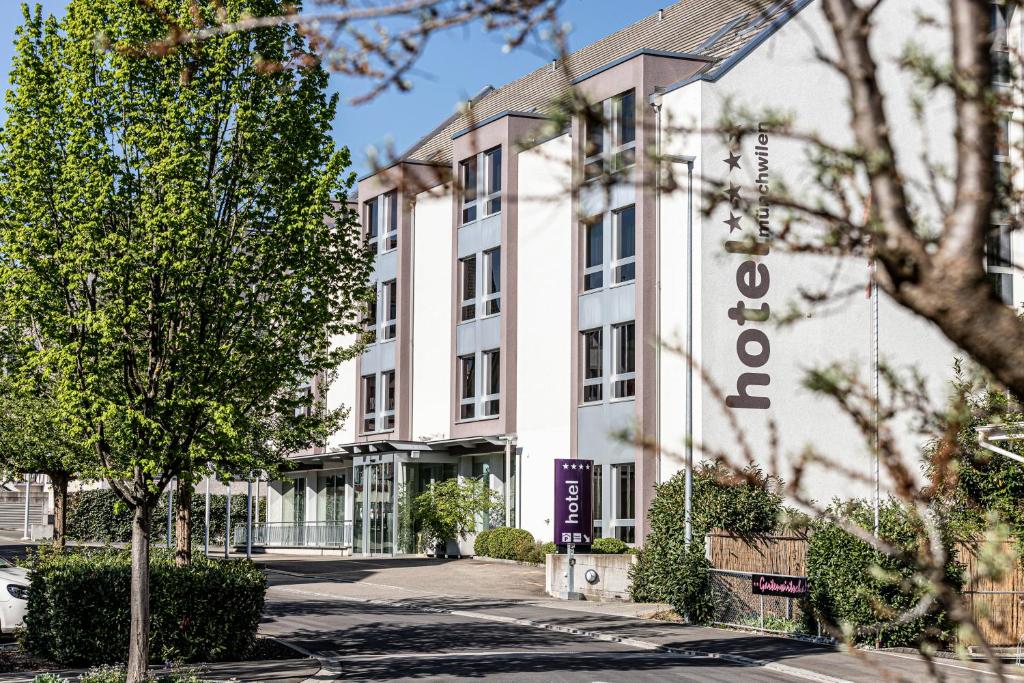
(574, 522)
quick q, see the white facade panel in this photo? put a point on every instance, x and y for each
(342, 393)
(544, 330)
(431, 315)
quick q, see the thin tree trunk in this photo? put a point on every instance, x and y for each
(59, 480)
(183, 522)
(138, 635)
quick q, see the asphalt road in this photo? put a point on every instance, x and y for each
(372, 642)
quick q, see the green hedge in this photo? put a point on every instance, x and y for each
(78, 608)
(608, 546)
(508, 543)
(480, 543)
(849, 593)
(98, 515)
(665, 571)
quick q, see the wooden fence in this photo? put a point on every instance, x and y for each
(996, 603)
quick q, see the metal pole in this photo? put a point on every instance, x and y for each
(571, 582)
(170, 511)
(206, 516)
(688, 535)
(875, 362)
(227, 531)
(28, 484)
(248, 520)
(508, 481)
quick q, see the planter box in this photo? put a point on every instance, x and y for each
(612, 575)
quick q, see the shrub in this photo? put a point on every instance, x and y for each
(116, 674)
(480, 548)
(549, 548)
(78, 608)
(508, 543)
(98, 515)
(664, 570)
(608, 546)
(448, 510)
(855, 586)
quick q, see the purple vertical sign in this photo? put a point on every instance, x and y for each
(574, 516)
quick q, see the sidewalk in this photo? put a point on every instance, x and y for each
(282, 670)
(619, 622)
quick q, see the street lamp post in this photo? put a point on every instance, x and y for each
(28, 486)
(248, 520)
(227, 529)
(206, 537)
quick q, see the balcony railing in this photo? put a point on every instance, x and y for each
(289, 535)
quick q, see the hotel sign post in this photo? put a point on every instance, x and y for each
(574, 521)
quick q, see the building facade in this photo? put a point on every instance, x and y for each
(536, 280)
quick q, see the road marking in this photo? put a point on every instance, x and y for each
(940, 662)
(783, 669)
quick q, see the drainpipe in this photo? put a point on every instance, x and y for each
(508, 478)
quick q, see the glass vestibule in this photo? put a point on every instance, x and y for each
(373, 524)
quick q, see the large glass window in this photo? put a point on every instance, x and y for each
(1002, 62)
(624, 245)
(467, 279)
(625, 501)
(370, 319)
(467, 387)
(623, 379)
(593, 366)
(593, 255)
(467, 175)
(331, 501)
(390, 305)
(387, 413)
(492, 280)
(390, 201)
(492, 382)
(371, 214)
(492, 181)
(369, 403)
(610, 140)
(293, 501)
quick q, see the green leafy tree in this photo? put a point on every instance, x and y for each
(174, 244)
(450, 509)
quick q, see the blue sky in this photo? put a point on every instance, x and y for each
(456, 65)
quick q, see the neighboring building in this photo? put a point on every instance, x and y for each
(518, 316)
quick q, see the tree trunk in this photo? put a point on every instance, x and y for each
(60, 508)
(183, 523)
(138, 634)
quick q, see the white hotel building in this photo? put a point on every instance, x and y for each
(518, 318)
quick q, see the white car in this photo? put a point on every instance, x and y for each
(13, 595)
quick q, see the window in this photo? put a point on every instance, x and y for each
(999, 262)
(467, 391)
(387, 414)
(625, 501)
(390, 201)
(492, 281)
(610, 141)
(1002, 64)
(492, 382)
(596, 497)
(305, 397)
(492, 181)
(369, 403)
(390, 306)
(467, 174)
(370, 319)
(623, 379)
(624, 245)
(467, 278)
(371, 215)
(593, 255)
(593, 366)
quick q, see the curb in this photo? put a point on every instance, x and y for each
(499, 560)
(327, 666)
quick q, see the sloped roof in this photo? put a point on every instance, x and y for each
(711, 29)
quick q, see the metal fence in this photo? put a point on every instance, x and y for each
(736, 604)
(288, 535)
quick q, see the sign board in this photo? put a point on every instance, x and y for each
(776, 584)
(574, 515)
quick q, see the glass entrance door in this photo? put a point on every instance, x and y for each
(374, 508)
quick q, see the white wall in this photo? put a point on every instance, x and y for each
(342, 392)
(432, 329)
(783, 74)
(544, 332)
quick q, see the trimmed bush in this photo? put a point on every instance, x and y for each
(508, 543)
(98, 515)
(608, 546)
(549, 548)
(853, 586)
(664, 570)
(480, 548)
(78, 608)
